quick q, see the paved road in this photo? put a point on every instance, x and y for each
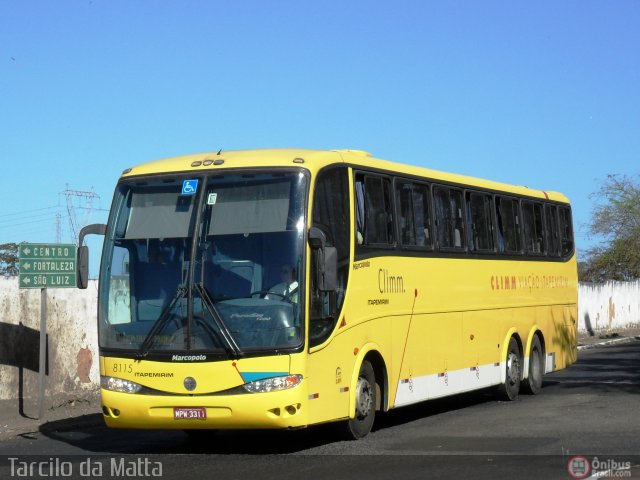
(589, 409)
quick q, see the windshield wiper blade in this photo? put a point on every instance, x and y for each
(165, 315)
(222, 327)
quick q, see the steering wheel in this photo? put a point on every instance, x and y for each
(262, 293)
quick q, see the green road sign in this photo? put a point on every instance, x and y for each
(48, 251)
(49, 265)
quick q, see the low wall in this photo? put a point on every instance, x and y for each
(72, 343)
(72, 360)
(608, 306)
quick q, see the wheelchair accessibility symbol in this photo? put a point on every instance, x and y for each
(189, 187)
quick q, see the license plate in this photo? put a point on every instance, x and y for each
(189, 413)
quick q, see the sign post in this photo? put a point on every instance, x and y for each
(42, 366)
(44, 265)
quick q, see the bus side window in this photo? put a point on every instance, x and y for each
(449, 224)
(406, 220)
(553, 231)
(422, 215)
(533, 228)
(566, 230)
(361, 225)
(374, 211)
(479, 222)
(508, 231)
(414, 214)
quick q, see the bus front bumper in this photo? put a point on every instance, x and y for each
(281, 409)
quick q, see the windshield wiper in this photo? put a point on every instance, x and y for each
(165, 315)
(222, 327)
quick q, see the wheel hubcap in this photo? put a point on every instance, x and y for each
(364, 398)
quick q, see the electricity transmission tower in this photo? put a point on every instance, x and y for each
(58, 228)
(79, 200)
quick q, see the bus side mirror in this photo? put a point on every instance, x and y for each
(82, 265)
(327, 261)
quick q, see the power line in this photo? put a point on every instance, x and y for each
(19, 221)
(28, 211)
(29, 226)
(23, 223)
(48, 223)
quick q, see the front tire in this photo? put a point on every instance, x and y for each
(511, 387)
(533, 382)
(365, 393)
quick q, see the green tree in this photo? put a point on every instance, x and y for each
(615, 219)
(8, 259)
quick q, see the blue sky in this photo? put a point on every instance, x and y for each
(545, 94)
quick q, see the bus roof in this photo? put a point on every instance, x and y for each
(315, 160)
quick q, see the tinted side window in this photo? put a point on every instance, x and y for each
(374, 210)
(566, 230)
(479, 223)
(553, 231)
(508, 223)
(449, 224)
(414, 221)
(331, 215)
(532, 220)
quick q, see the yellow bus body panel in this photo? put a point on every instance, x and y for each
(448, 321)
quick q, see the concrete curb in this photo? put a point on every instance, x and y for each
(604, 343)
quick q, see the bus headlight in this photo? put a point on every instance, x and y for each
(119, 385)
(273, 384)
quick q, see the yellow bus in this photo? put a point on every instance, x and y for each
(287, 288)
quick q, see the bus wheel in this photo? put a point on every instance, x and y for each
(533, 383)
(511, 386)
(361, 424)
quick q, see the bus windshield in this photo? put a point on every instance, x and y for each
(216, 270)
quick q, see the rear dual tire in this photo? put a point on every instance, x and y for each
(513, 370)
(533, 383)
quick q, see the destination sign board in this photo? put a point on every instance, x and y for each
(47, 265)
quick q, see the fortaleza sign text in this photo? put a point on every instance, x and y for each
(89, 467)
